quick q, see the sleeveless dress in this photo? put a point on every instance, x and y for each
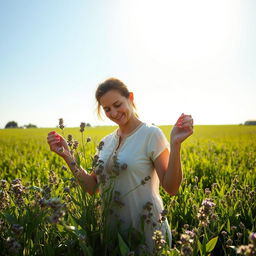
(135, 182)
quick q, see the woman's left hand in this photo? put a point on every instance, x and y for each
(182, 129)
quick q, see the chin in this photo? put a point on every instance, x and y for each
(121, 121)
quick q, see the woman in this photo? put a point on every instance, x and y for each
(135, 159)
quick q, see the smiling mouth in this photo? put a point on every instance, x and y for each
(119, 118)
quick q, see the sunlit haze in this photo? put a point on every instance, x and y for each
(194, 57)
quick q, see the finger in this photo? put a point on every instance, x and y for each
(187, 120)
(53, 139)
(187, 125)
(53, 132)
(55, 135)
(178, 122)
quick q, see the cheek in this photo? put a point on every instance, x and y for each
(107, 114)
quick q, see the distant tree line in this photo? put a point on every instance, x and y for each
(250, 122)
(13, 124)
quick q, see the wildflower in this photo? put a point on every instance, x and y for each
(164, 212)
(174, 232)
(73, 182)
(17, 229)
(186, 250)
(144, 181)
(64, 168)
(252, 194)
(70, 140)
(207, 191)
(43, 202)
(52, 177)
(82, 126)
(88, 139)
(195, 230)
(95, 161)
(100, 146)
(195, 187)
(252, 237)
(158, 240)
(224, 233)
(239, 235)
(154, 224)
(46, 192)
(229, 242)
(214, 186)
(75, 144)
(190, 233)
(186, 240)
(241, 225)
(250, 249)
(205, 212)
(73, 163)
(148, 206)
(186, 226)
(99, 169)
(235, 181)
(61, 123)
(58, 209)
(117, 200)
(4, 199)
(3, 184)
(66, 190)
(247, 250)
(19, 191)
(233, 228)
(102, 179)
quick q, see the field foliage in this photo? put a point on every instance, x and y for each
(44, 212)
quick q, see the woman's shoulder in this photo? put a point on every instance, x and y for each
(151, 129)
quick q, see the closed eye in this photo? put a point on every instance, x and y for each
(106, 109)
(118, 105)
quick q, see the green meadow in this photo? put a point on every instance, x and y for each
(44, 212)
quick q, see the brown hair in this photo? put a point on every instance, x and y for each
(112, 84)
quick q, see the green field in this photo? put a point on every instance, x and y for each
(219, 164)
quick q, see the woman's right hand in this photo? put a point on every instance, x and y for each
(58, 144)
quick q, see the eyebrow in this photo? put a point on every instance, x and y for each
(112, 104)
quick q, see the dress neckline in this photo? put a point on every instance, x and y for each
(131, 133)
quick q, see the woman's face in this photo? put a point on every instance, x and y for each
(117, 107)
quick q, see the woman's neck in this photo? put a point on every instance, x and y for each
(131, 125)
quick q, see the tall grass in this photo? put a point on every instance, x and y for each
(45, 212)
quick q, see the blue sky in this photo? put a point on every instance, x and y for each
(196, 57)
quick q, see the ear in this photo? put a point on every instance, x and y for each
(131, 96)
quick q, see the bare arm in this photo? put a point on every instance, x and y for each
(59, 145)
(168, 165)
(87, 181)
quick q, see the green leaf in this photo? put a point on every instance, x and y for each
(211, 244)
(228, 226)
(60, 228)
(221, 227)
(200, 247)
(122, 246)
(78, 160)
